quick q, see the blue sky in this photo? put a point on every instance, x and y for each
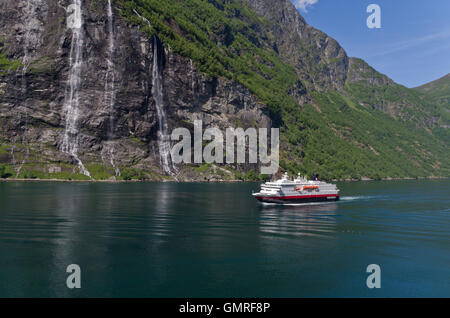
(412, 46)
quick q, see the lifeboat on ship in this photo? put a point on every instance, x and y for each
(312, 187)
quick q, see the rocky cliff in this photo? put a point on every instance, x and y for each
(35, 95)
(90, 89)
(319, 60)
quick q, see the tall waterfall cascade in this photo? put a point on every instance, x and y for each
(30, 42)
(71, 107)
(158, 94)
(110, 93)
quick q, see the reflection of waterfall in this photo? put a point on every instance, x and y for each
(110, 94)
(66, 221)
(157, 92)
(72, 103)
(161, 222)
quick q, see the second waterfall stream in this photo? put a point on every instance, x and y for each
(158, 97)
(71, 107)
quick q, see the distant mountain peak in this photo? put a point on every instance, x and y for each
(433, 84)
(438, 91)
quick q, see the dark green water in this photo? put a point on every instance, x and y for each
(214, 240)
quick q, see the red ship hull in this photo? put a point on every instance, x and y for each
(298, 198)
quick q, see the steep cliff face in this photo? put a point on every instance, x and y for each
(104, 109)
(320, 62)
(360, 72)
(323, 65)
(92, 89)
(377, 91)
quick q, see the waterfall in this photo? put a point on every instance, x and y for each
(71, 103)
(30, 42)
(110, 74)
(157, 93)
(145, 20)
(110, 93)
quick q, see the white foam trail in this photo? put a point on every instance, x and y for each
(72, 104)
(353, 198)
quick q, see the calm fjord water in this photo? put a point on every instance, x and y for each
(215, 240)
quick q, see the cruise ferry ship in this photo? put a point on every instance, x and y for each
(299, 190)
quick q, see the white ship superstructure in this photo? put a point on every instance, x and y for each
(299, 190)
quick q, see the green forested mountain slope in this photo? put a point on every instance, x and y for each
(439, 89)
(338, 116)
(438, 92)
(357, 123)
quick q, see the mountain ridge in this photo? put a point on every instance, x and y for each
(429, 85)
(438, 89)
(229, 63)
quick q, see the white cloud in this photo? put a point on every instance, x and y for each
(304, 4)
